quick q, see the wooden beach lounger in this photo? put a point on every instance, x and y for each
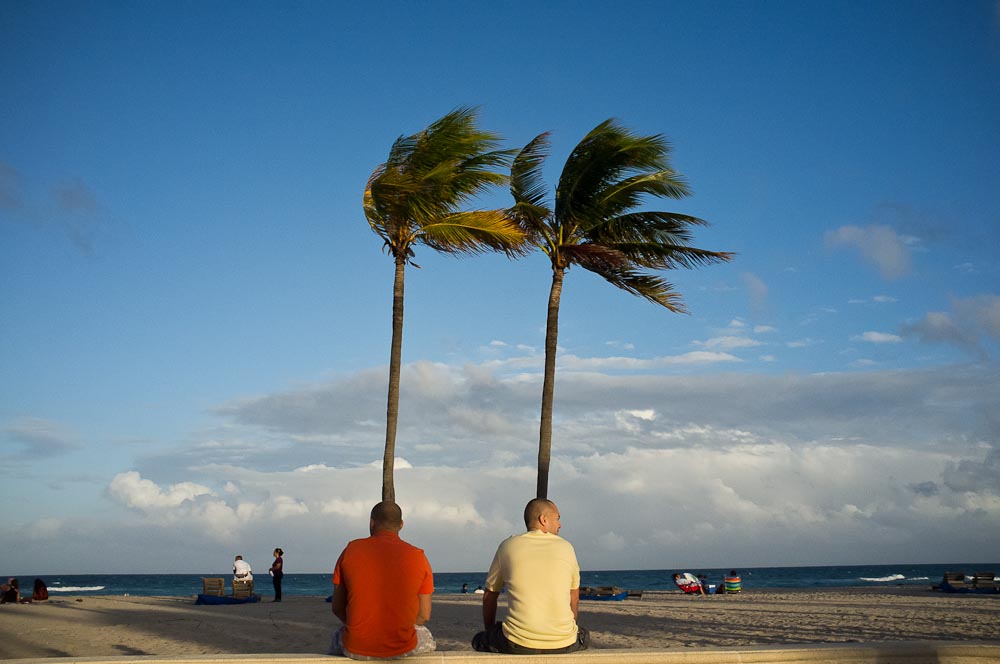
(213, 586)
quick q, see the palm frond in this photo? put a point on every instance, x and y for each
(429, 176)
(597, 258)
(648, 286)
(664, 256)
(526, 184)
(630, 192)
(647, 226)
(474, 232)
(618, 268)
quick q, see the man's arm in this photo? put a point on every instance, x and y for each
(423, 609)
(340, 602)
(489, 608)
(574, 602)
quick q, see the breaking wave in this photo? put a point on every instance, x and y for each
(883, 579)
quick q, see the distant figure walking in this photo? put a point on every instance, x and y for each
(276, 572)
(241, 570)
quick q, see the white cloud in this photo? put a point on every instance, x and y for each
(878, 338)
(879, 245)
(817, 467)
(876, 299)
(764, 329)
(133, 491)
(574, 363)
(729, 343)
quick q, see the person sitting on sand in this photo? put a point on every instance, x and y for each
(542, 577)
(241, 570)
(39, 593)
(382, 593)
(11, 592)
(689, 583)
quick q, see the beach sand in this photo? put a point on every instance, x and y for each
(100, 626)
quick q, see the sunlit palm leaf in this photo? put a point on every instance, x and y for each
(474, 232)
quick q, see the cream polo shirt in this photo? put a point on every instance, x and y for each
(539, 570)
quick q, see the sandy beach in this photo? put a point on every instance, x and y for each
(175, 626)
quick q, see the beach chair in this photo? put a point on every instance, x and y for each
(214, 586)
(733, 584)
(242, 588)
(953, 581)
(689, 583)
(984, 581)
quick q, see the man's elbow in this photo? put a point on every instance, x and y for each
(423, 610)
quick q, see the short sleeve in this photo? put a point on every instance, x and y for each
(337, 573)
(494, 579)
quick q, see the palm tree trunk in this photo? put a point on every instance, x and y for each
(392, 406)
(549, 383)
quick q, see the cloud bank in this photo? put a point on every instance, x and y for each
(650, 471)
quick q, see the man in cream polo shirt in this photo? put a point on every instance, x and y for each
(542, 577)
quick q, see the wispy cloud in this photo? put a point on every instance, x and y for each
(10, 188)
(38, 438)
(878, 338)
(879, 245)
(756, 290)
(729, 342)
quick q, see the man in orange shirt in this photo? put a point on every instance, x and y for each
(382, 593)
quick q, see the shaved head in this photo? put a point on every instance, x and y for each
(387, 516)
(535, 508)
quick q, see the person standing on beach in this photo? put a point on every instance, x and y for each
(277, 572)
(542, 577)
(382, 593)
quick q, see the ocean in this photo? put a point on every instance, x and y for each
(181, 585)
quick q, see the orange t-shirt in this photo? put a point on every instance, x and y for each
(383, 576)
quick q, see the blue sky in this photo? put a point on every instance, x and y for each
(194, 315)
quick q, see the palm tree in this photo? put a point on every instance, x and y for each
(596, 223)
(414, 198)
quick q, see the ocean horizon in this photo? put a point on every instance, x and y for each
(835, 576)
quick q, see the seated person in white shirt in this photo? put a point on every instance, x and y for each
(241, 570)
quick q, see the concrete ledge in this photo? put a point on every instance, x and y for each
(929, 652)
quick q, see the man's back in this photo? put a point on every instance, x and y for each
(384, 576)
(539, 570)
(241, 570)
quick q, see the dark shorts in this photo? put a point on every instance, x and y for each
(494, 640)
